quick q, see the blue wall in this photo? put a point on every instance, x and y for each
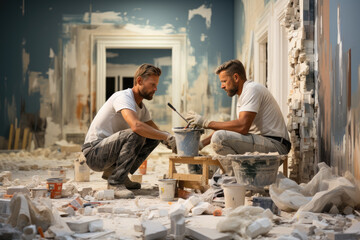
(39, 27)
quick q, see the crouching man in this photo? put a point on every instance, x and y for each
(122, 134)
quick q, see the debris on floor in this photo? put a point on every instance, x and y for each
(325, 208)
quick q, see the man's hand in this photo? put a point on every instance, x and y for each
(195, 119)
(170, 143)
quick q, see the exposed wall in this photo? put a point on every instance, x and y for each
(338, 78)
(46, 54)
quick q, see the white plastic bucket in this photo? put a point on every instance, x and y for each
(81, 171)
(234, 194)
(167, 189)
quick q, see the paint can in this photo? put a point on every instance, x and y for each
(39, 192)
(266, 203)
(187, 141)
(81, 170)
(234, 194)
(58, 172)
(143, 167)
(167, 189)
(54, 186)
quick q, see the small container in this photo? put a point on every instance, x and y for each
(57, 173)
(81, 171)
(266, 203)
(234, 194)
(54, 186)
(167, 189)
(39, 192)
(143, 167)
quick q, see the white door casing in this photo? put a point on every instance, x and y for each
(177, 44)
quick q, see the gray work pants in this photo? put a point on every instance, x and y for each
(123, 152)
(228, 142)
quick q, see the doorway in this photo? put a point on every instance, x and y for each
(177, 44)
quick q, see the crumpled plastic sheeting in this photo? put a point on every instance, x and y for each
(240, 218)
(24, 213)
(319, 195)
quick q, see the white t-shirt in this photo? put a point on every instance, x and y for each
(109, 120)
(269, 120)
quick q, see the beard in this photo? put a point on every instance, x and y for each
(146, 95)
(231, 92)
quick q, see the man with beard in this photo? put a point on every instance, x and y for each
(260, 126)
(122, 134)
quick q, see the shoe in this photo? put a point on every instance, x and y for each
(121, 192)
(107, 172)
(131, 185)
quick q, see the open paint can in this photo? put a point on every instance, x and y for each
(54, 186)
(167, 189)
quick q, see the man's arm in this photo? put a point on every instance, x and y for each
(148, 129)
(240, 125)
(152, 124)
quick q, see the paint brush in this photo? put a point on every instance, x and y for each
(172, 107)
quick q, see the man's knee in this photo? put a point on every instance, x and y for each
(217, 140)
(136, 138)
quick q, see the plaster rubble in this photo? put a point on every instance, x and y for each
(302, 109)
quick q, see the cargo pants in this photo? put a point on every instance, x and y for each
(121, 153)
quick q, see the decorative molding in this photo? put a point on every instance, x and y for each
(177, 44)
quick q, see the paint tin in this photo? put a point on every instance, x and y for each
(54, 186)
(143, 167)
(81, 171)
(234, 194)
(187, 141)
(266, 203)
(57, 173)
(39, 192)
(167, 189)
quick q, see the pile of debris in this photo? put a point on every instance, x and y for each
(325, 208)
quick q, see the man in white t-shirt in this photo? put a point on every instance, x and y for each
(260, 126)
(122, 134)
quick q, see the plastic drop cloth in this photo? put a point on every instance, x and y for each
(318, 195)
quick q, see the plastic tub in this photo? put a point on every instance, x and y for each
(234, 194)
(81, 171)
(187, 141)
(167, 189)
(255, 170)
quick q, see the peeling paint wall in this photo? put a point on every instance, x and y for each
(46, 56)
(338, 79)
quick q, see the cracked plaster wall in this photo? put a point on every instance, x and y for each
(46, 56)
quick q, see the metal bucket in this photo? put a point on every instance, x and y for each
(187, 141)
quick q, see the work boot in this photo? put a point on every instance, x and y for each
(107, 172)
(131, 185)
(120, 191)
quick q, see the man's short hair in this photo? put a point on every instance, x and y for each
(145, 70)
(231, 67)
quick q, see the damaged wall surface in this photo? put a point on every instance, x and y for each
(338, 77)
(47, 57)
